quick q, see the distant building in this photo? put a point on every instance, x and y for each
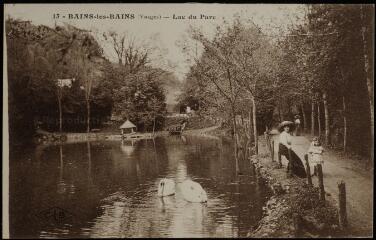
(65, 82)
(128, 127)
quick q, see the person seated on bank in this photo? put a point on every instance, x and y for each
(285, 144)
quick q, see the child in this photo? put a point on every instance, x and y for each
(316, 151)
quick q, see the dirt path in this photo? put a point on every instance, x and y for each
(359, 185)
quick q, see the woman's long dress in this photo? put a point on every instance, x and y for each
(296, 164)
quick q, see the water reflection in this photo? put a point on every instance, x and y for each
(111, 187)
(127, 146)
(61, 185)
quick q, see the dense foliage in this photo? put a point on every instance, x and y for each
(328, 60)
(320, 69)
(96, 89)
(37, 57)
(141, 99)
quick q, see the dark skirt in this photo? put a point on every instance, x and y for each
(295, 163)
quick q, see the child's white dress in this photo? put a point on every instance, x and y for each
(316, 152)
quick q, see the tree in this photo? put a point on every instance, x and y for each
(334, 43)
(38, 56)
(141, 99)
(367, 68)
(331, 69)
(131, 53)
(216, 67)
(253, 57)
(88, 59)
(236, 66)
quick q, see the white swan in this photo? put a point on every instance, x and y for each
(166, 187)
(193, 192)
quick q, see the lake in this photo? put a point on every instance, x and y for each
(109, 189)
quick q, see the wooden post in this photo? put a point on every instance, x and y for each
(279, 159)
(308, 170)
(270, 146)
(321, 182)
(297, 224)
(289, 167)
(272, 150)
(342, 205)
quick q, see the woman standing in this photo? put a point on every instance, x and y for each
(285, 149)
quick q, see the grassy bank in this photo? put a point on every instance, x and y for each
(295, 209)
(293, 201)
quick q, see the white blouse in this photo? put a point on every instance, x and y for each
(286, 139)
(316, 152)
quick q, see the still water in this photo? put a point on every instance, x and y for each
(109, 189)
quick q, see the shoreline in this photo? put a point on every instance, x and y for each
(278, 220)
(73, 137)
(203, 132)
(287, 213)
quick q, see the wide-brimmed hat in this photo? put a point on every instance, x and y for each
(297, 116)
(284, 124)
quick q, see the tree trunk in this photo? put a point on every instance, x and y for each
(279, 113)
(250, 130)
(154, 126)
(326, 112)
(344, 124)
(313, 117)
(88, 115)
(305, 125)
(368, 78)
(254, 124)
(319, 118)
(235, 140)
(344, 114)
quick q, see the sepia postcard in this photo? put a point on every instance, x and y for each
(186, 120)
